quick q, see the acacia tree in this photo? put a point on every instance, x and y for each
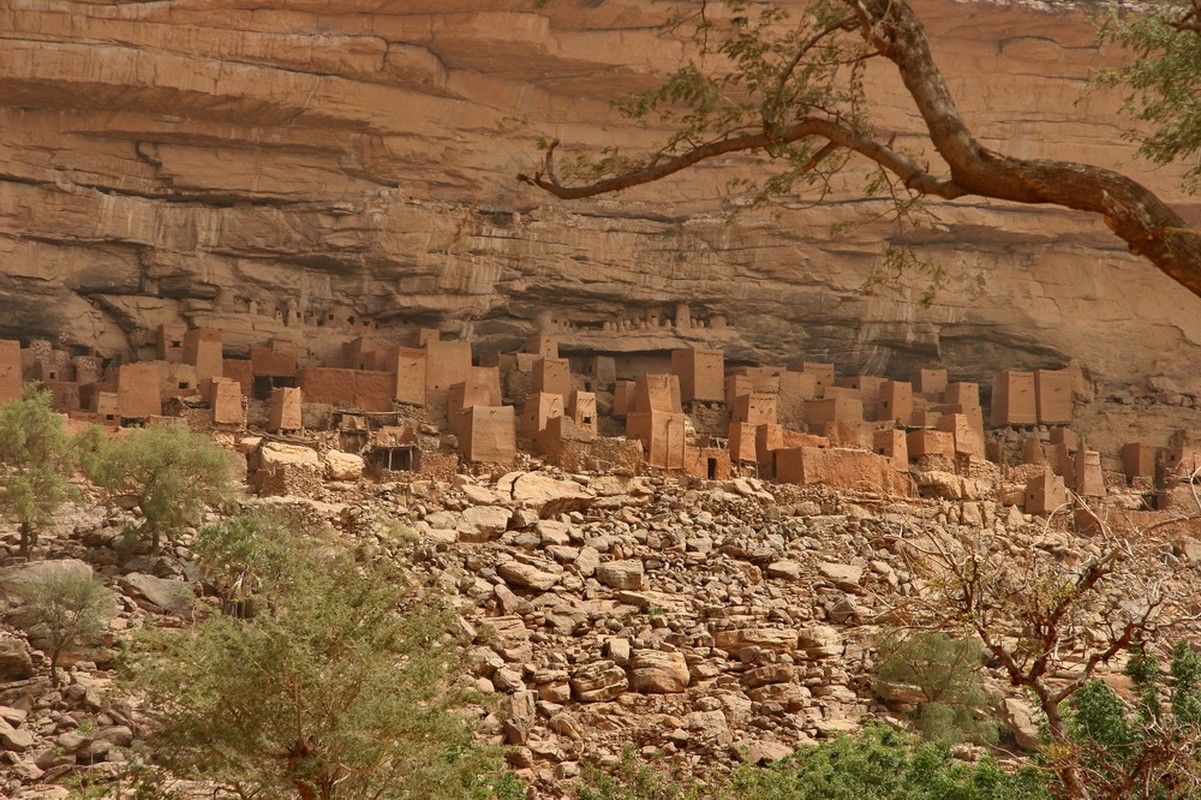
(1165, 40)
(793, 91)
(167, 472)
(342, 687)
(37, 458)
(66, 609)
(1050, 627)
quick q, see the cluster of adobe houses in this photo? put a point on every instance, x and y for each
(424, 407)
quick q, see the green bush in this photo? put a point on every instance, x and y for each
(244, 556)
(882, 764)
(877, 764)
(165, 471)
(946, 672)
(65, 609)
(342, 686)
(37, 458)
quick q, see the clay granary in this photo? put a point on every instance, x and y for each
(421, 404)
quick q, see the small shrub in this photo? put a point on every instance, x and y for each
(244, 555)
(66, 609)
(342, 686)
(946, 672)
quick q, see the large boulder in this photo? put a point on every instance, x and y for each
(625, 574)
(780, 640)
(12, 578)
(483, 523)
(598, 682)
(545, 495)
(820, 641)
(18, 740)
(845, 576)
(173, 597)
(341, 466)
(657, 672)
(526, 576)
(15, 663)
(1020, 718)
(279, 454)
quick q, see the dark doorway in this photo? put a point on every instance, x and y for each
(393, 459)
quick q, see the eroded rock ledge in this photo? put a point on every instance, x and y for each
(194, 161)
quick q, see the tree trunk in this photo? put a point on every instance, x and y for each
(55, 653)
(1068, 771)
(29, 538)
(889, 27)
(1148, 226)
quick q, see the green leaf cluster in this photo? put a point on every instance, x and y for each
(340, 687)
(1146, 747)
(168, 473)
(37, 458)
(245, 556)
(753, 71)
(1163, 79)
(946, 671)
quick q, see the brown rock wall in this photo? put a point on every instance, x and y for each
(224, 160)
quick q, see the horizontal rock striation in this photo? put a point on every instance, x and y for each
(226, 162)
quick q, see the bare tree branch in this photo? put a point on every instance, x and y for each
(891, 29)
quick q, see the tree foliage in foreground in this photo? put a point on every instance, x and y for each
(1050, 627)
(790, 93)
(342, 687)
(1144, 748)
(1164, 39)
(37, 458)
(167, 472)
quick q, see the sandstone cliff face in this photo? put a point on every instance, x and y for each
(228, 162)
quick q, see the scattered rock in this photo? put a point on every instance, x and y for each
(786, 570)
(774, 639)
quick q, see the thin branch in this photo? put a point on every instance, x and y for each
(914, 177)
